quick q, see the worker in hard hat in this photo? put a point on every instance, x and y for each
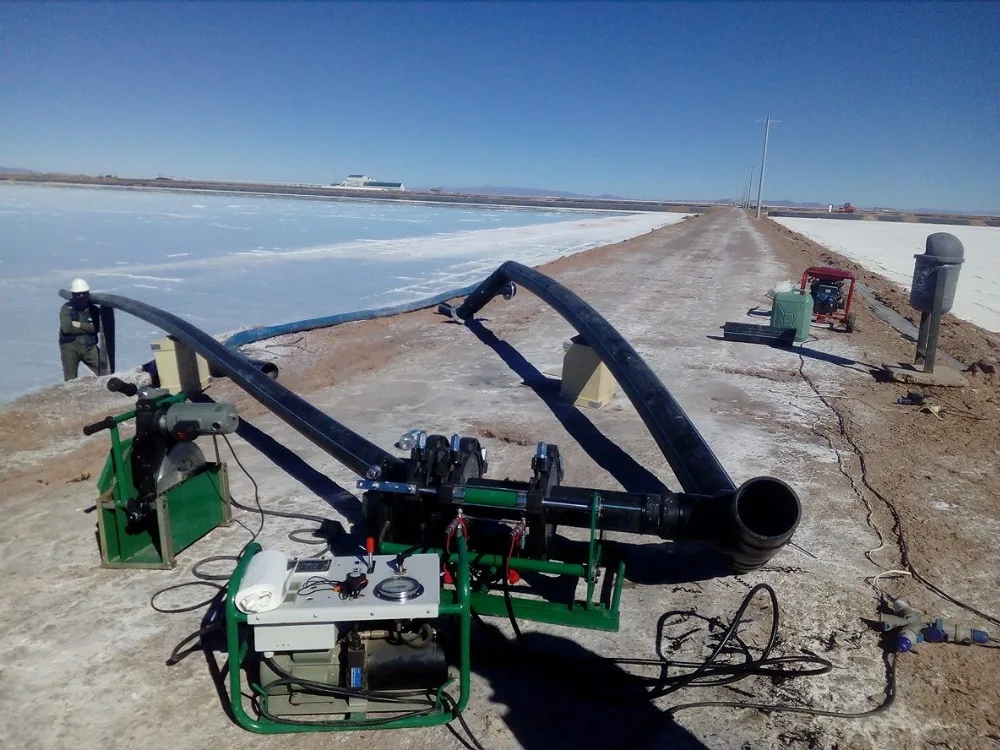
(79, 324)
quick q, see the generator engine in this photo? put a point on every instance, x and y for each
(827, 294)
(353, 634)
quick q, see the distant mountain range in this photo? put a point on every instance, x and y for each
(538, 192)
(546, 193)
(782, 203)
(521, 191)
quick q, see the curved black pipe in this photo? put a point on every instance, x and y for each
(748, 525)
(352, 450)
(694, 464)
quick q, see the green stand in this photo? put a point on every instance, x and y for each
(588, 612)
(445, 708)
(182, 515)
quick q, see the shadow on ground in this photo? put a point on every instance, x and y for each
(656, 563)
(605, 453)
(557, 695)
(315, 481)
(806, 352)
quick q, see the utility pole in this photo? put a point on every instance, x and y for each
(763, 163)
(746, 203)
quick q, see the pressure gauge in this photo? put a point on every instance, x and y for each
(399, 589)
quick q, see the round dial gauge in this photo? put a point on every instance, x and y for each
(399, 589)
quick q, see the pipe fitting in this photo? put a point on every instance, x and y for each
(765, 513)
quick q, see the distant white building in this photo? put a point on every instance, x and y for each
(364, 182)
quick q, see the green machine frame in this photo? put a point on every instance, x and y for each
(587, 613)
(458, 600)
(454, 602)
(183, 513)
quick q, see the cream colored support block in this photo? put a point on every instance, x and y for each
(586, 380)
(179, 367)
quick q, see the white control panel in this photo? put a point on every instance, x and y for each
(321, 593)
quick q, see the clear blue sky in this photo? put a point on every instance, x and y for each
(895, 104)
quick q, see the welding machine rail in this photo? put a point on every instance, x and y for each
(693, 462)
(352, 450)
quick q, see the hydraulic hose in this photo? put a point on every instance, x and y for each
(748, 524)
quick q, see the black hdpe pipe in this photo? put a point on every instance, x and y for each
(352, 450)
(694, 464)
(749, 524)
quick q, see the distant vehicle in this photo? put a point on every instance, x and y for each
(847, 208)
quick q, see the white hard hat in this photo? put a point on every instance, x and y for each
(78, 286)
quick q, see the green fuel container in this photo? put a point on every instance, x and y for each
(793, 310)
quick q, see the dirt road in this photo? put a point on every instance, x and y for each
(83, 654)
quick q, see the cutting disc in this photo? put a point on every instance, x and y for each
(180, 462)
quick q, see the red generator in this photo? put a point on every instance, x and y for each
(831, 304)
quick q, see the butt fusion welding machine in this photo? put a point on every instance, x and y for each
(377, 638)
(358, 641)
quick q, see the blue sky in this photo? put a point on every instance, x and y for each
(895, 104)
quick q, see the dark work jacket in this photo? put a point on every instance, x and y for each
(90, 325)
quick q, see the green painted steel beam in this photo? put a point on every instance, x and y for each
(576, 614)
(480, 560)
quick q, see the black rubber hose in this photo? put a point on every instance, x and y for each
(696, 467)
(352, 450)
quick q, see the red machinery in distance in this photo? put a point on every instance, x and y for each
(847, 208)
(830, 303)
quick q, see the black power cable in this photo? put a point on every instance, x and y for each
(210, 579)
(320, 688)
(713, 672)
(897, 524)
(323, 688)
(189, 608)
(472, 742)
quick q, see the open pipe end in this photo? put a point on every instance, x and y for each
(766, 513)
(268, 368)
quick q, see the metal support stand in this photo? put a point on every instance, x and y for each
(181, 515)
(930, 327)
(454, 602)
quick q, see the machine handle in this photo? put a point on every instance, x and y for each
(105, 424)
(117, 385)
